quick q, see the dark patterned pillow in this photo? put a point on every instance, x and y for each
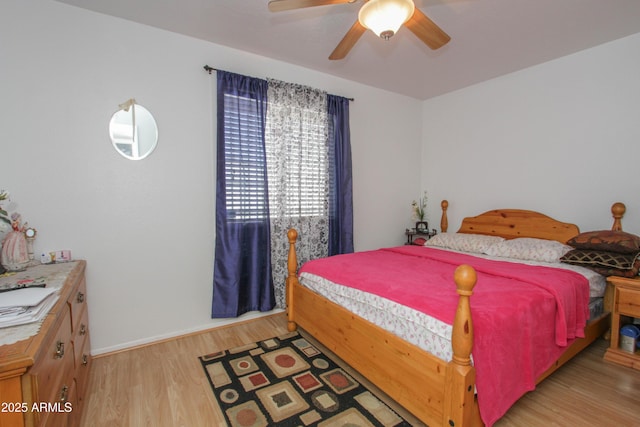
(605, 263)
(600, 258)
(607, 240)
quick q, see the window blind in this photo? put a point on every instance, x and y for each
(244, 160)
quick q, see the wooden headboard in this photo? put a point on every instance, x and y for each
(512, 223)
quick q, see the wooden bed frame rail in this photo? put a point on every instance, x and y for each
(437, 392)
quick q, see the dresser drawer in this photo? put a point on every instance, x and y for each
(54, 367)
(59, 414)
(75, 416)
(83, 367)
(628, 301)
(78, 304)
(80, 335)
(81, 351)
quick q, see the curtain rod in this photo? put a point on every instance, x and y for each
(211, 69)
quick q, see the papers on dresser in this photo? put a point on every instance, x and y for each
(28, 305)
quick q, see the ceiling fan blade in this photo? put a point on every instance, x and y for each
(348, 41)
(280, 5)
(426, 30)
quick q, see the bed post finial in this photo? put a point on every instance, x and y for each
(618, 209)
(292, 277)
(462, 338)
(292, 235)
(444, 222)
(458, 407)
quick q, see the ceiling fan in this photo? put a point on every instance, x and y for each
(383, 17)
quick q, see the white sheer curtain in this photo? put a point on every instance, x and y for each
(296, 144)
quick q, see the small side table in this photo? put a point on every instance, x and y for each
(413, 234)
(625, 304)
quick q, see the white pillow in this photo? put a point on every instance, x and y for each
(473, 243)
(530, 249)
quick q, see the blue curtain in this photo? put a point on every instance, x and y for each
(341, 188)
(242, 267)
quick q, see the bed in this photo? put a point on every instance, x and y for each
(443, 390)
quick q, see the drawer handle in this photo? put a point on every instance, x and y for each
(64, 393)
(80, 298)
(85, 360)
(83, 329)
(59, 350)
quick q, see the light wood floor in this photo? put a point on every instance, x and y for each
(163, 385)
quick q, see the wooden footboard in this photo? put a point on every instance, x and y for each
(437, 392)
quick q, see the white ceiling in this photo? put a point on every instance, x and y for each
(489, 38)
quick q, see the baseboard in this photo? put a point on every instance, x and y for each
(223, 323)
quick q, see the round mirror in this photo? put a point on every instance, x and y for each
(133, 132)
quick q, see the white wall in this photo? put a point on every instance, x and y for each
(562, 138)
(146, 227)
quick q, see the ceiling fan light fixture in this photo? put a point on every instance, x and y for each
(385, 17)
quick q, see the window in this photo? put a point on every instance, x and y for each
(306, 156)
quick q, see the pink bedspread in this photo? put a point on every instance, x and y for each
(523, 316)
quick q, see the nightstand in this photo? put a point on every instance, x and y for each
(413, 234)
(625, 304)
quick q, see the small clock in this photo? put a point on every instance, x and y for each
(30, 233)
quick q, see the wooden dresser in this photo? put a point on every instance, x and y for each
(43, 379)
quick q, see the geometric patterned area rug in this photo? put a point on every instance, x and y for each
(287, 381)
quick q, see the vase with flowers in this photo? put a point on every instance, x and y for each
(14, 255)
(419, 213)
